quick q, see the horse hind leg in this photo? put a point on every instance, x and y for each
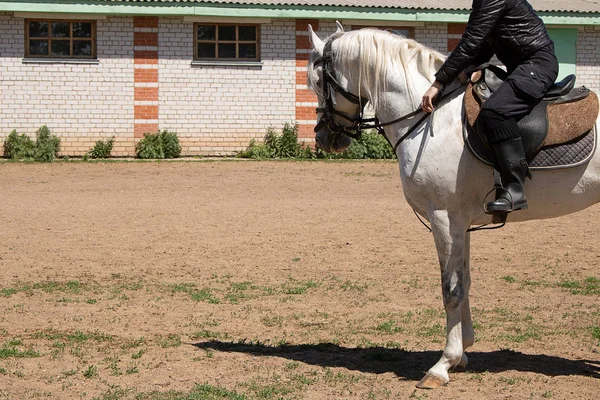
(450, 240)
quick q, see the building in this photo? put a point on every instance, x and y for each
(219, 72)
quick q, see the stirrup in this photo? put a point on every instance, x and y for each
(513, 206)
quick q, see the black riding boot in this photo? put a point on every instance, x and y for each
(510, 161)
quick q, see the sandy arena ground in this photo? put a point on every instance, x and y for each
(268, 280)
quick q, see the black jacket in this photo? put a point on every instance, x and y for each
(508, 28)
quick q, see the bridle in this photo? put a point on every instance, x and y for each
(331, 86)
(358, 122)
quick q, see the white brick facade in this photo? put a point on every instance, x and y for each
(80, 103)
(588, 58)
(215, 110)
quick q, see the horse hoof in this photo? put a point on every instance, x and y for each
(431, 382)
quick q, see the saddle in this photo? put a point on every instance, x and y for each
(565, 115)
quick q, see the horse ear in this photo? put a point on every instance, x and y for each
(340, 28)
(315, 40)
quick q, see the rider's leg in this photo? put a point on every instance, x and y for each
(504, 137)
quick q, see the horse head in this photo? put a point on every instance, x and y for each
(339, 110)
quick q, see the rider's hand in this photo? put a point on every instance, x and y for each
(430, 94)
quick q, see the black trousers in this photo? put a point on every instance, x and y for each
(525, 87)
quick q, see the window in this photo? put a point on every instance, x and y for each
(60, 39)
(226, 42)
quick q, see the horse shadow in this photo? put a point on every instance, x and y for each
(409, 365)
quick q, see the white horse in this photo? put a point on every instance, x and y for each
(441, 178)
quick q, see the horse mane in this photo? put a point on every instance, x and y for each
(379, 50)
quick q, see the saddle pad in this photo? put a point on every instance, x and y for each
(565, 155)
(577, 116)
(566, 121)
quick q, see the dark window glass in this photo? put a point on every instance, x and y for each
(206, 32)
(38, 29)
(247, 33)
(82, 29)
(206, 50)
(38, 47)
(60, 29)
(60, 48)
(247, 50)
(226, 42)
(400, 32)
(82, 48)
(227, 33)
(226, 50)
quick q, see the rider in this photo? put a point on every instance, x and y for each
(512, 31)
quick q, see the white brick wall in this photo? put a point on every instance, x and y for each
(78, 102)
(434, 36)
(218, 110)
(588, 58)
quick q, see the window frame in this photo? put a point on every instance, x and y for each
(71, 56)
(216, 42)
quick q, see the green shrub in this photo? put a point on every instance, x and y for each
(20, 147)
(371, 145)
(158, 145)
(102, 148)
(285, 145)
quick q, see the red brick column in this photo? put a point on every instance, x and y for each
(455, 32)
(145, 56)
(306, 100)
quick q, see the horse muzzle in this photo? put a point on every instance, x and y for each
(331, 142)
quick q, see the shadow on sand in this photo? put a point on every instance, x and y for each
(409, 365)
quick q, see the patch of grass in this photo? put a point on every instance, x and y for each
(269, 391)
(138, 355)
(509, 279)
(171, 340)
(90, 372)
(206, 334)
(353, 286)
(114, 392)
(334, 378)
(132, 344)
(297, 287)
(199, 392)
(10, 350)
(589, 286)
(194, 293)
(389, 327)
(270, 321)
(596, 333)
(132, 369)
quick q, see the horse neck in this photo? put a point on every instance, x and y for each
(442, 129)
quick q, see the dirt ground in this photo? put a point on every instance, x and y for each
(268, 280)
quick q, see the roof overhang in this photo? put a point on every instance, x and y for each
(263, 11)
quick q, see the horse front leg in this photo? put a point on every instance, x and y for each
(468, 335)
(450, 239)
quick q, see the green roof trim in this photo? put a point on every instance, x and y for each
(261, 11)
